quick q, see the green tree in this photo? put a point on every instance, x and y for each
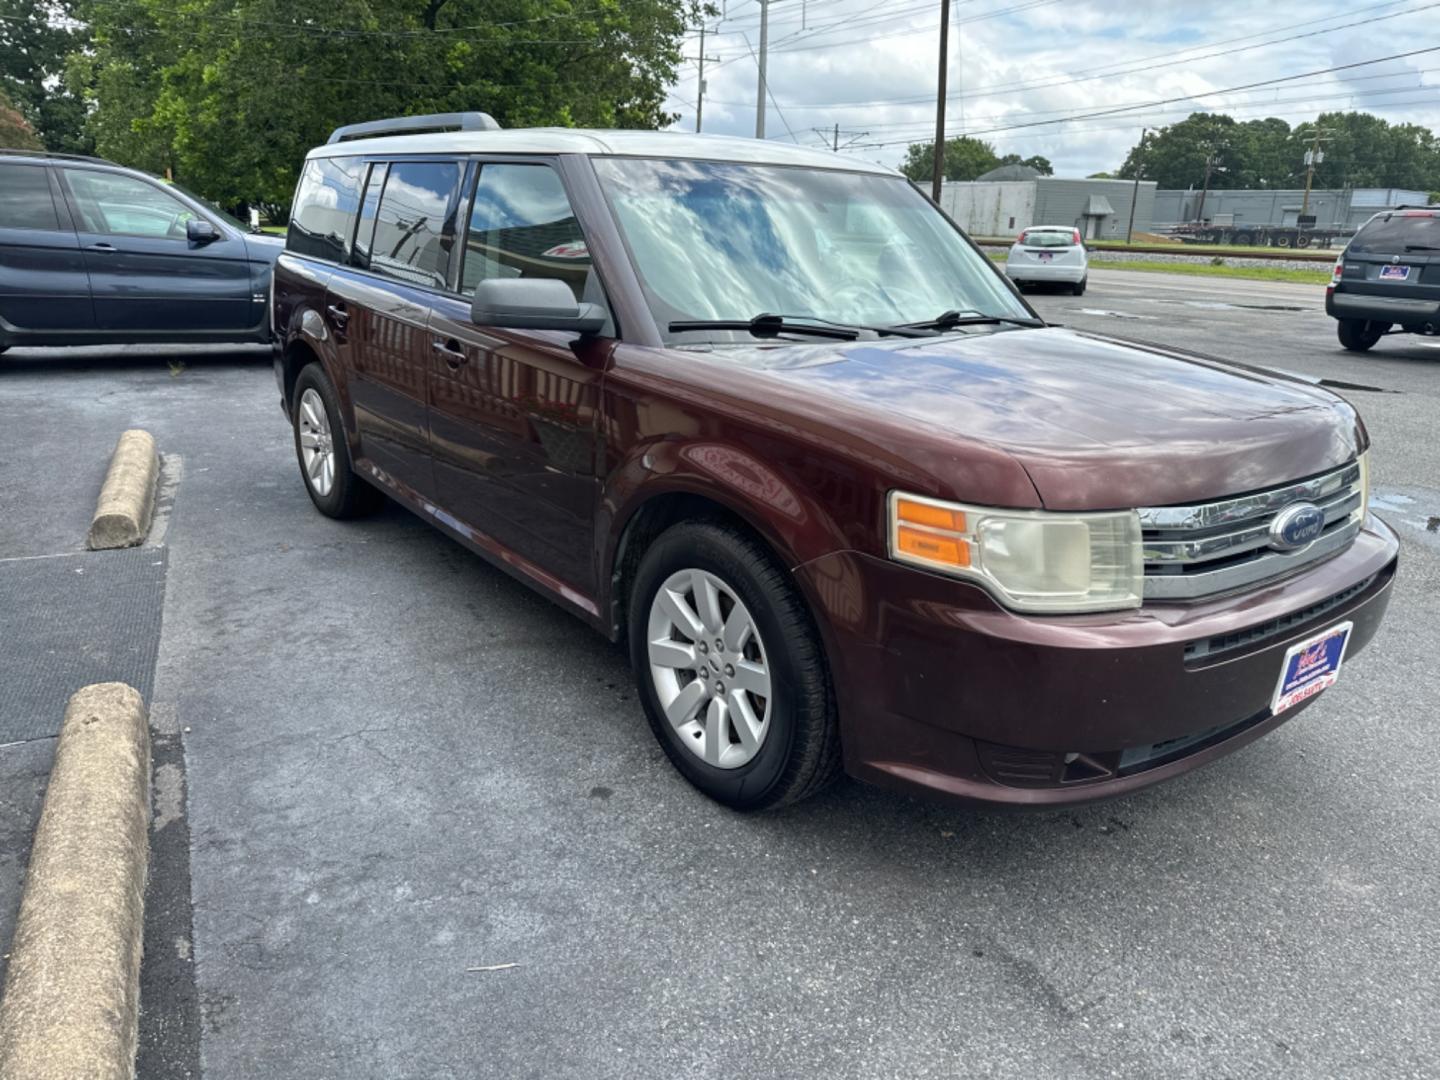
(36, 36)
(965, 159)
(230, 94)
(15, 131)
(1175, 156)
(1039, 164)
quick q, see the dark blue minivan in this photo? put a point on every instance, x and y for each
(95, 254)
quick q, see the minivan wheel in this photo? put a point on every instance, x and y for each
(322, 451)
(1359, 335)
(730, 668)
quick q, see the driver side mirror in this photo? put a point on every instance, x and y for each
(200, 231)
(533, 304)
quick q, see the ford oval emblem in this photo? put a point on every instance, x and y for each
(1298, 525)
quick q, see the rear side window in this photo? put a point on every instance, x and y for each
(521, 225)
(365, 234)
(25, 200)
(1394, 234)
(415, 225)
(326, 201)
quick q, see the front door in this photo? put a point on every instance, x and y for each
(145, 276)
(43, 283)
(379, 310)
(514, 414)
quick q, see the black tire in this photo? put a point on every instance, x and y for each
(1359, 335)
(800, 751)
(1079, 287)
(349, 496)
(1244, 239)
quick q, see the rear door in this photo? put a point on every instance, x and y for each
(146, 277)
(379, 308)
(43, 283)
(514, 413)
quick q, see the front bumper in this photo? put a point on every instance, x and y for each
(941, 690)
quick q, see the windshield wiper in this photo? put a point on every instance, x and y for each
(951, 319)
(769, 326)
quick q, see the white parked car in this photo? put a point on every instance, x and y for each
(1045, 253)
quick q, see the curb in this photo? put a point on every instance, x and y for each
(71, 1005)
(122, 516)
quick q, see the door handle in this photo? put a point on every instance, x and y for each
(454, 355)
(339, 315)
(102, 247)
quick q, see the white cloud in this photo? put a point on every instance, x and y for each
(1040, 62)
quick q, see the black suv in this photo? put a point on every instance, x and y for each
(1387, 281)
(92, 253)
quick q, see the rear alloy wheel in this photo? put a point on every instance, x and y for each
(323, 452)
(1360, 335)
(730, 668)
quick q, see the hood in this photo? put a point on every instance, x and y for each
(1096, 423)
(263, 247)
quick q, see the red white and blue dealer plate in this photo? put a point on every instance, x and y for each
(1310, 666)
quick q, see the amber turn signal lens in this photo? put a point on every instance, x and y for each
(926, 545)
(937, 517)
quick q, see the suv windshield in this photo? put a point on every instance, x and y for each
(1392, 234)
(715, 240)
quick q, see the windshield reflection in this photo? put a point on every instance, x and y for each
(716, 240)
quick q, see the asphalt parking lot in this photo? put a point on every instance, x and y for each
(386, 771)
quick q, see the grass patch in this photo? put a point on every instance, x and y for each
(1224, 249)
(1201, 269)
(273, 230)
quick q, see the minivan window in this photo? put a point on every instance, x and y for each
(718, 240)
(415, 225)
(325, 205)
(365, 233)
(116, 204)
(25, 199)
(521, 225)
(1392, 233)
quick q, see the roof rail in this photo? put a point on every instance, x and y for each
(464, 121)
(17, 152)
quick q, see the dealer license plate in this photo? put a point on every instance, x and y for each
(1310, 666)
(1394, 273)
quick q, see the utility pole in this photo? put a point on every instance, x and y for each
(700, 92)
(1314, 156)
(760, 89)
(1135, 194)
(1205, 188)
(938, 177)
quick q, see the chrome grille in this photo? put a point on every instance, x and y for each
(1210, 548)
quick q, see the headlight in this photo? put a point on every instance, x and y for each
(1030, 560)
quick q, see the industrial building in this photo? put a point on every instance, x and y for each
(998, 205)
(1346, 208)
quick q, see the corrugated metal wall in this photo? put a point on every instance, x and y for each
(1004, 208)
(1281, 206)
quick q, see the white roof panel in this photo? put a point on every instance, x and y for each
(661, 144)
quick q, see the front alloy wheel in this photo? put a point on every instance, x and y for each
(708, 667)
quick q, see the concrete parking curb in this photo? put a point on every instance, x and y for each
(122, 516)
(71, 1003)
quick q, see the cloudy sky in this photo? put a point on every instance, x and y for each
(871, 68)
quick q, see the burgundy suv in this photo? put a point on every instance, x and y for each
(769, 418)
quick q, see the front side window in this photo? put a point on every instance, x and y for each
(415, 225)
(325, 203)
(112, 203)
(365, 233)
(25, 200)
(521, 225)
(719, 240)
